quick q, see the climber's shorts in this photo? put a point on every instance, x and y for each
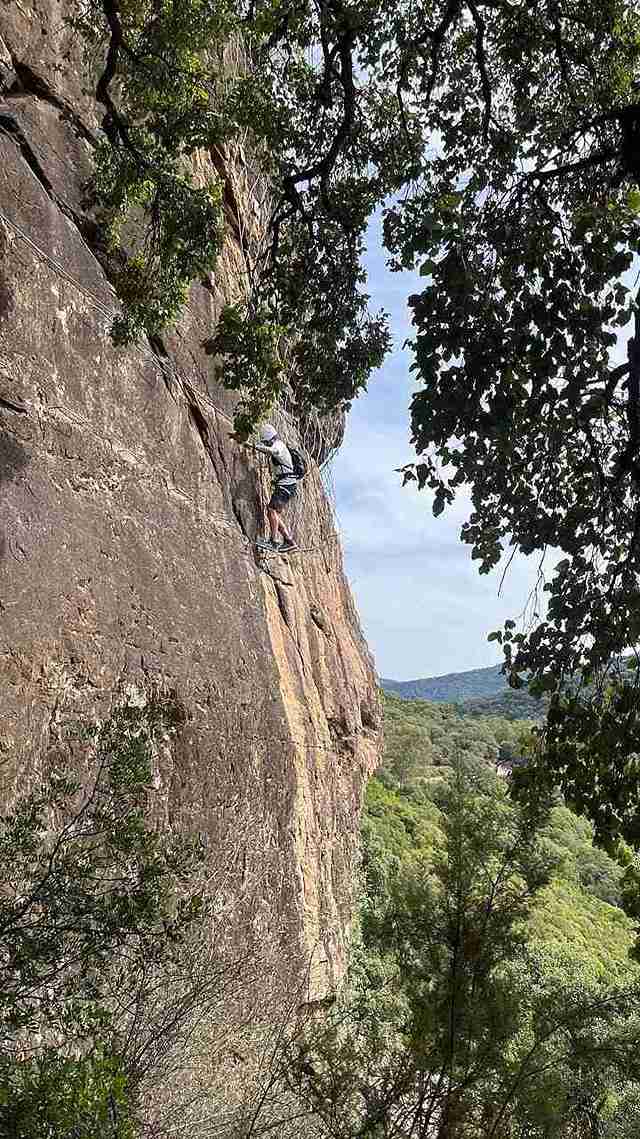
(281, 497)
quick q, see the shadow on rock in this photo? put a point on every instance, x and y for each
(13, 459)
(246, 502)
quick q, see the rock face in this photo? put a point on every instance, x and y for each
(127, 521)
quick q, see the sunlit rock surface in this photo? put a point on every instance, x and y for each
(127, 521)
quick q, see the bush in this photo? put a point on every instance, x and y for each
(60, 1098)
(90, 890)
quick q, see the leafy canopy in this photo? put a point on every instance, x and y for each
(460, 1019)
(492, 991)
(274, 90)
(525, 222)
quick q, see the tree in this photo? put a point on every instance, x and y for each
(454, 1024)
(60, 1097)
(525, 222)
(90, 890)
(239, 82)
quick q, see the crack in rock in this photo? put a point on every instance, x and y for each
(31, 83)
(209, 439)
(11, 127)
(288, 616)
(274, 577)
(10, 124)
(11, 405)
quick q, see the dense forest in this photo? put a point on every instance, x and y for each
(513, 704)
(422, 742)
(494, 990)
(452, 686)
(479, 691)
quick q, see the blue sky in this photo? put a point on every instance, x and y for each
(424, 607)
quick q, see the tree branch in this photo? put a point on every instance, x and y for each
(560, 53)
(481, 59)
(112, 123)
(323, 168)
(628, 459)
(599, 158)
(437, 39)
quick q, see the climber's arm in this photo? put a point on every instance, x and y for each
(264, 448)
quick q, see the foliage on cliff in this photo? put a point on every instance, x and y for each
(143, 991)
(93, 905)
(242, 82)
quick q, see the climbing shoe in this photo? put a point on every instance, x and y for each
(286, 547)
(266, 544)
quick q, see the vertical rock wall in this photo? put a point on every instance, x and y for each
(127, 521)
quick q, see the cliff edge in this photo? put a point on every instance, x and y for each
(127, 521)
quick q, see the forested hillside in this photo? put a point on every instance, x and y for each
(512, 704)
(493, 992)
(421, 737)
(422, 741)
(452, 686)
(479, 691)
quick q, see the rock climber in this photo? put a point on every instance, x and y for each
(288, 468)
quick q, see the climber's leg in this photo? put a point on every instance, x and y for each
(279, 500)
(274, 524)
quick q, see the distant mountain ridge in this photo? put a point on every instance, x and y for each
(481, 691)
(454, 686)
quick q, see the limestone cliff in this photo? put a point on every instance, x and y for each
(127, 521)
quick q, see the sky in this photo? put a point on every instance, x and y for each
(424, 607)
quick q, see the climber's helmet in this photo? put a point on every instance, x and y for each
(267, 433)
